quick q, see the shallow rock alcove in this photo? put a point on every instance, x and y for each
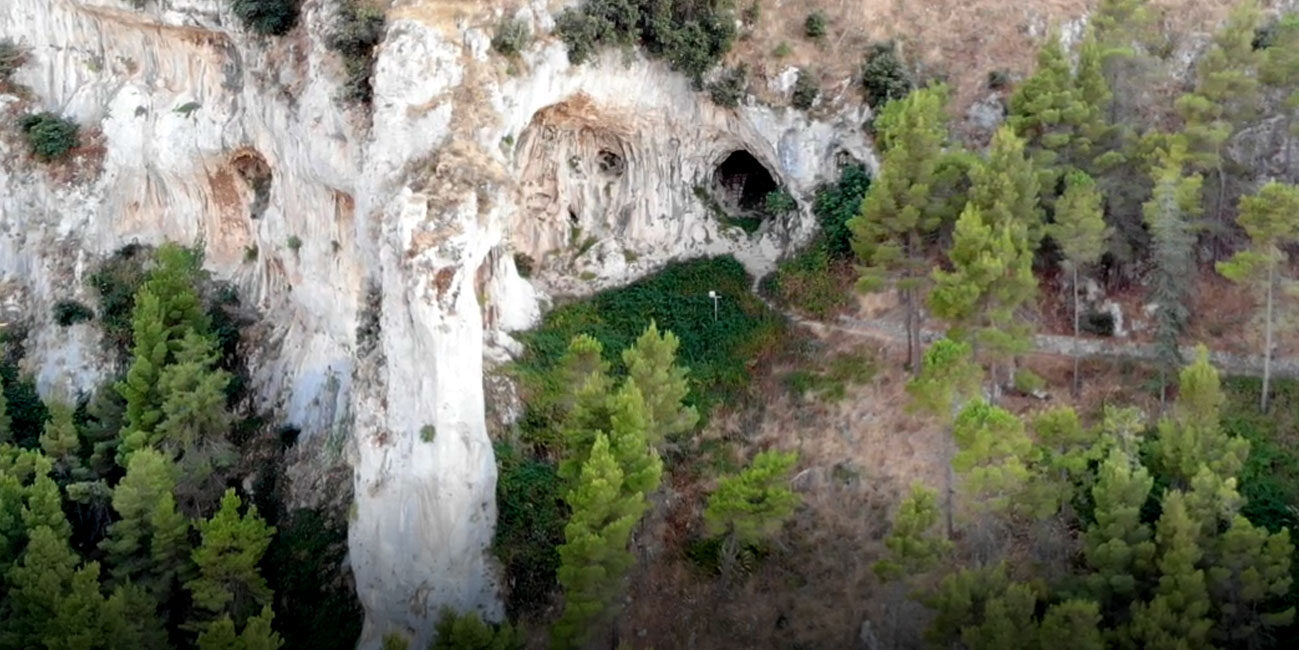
(743, 182)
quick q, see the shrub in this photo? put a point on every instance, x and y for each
(469, 632)
(1028, 382)
(49, 135)
(783, 50)
(779, 203)
(12, 57)
(358, 28)
(809, 282)
(511, 36)
(884, 77)
(428, 433)
(998, 79)
(27, 413)
(266, 17)
(805, 91)
(752, 13)
(815, 25)
(529, 528)
(523, 263)
(690, 36)
(728, 89)
(836, 204)
(315, 603)
(250, 253)
(116, 281)
(71, 312)
(294, 243)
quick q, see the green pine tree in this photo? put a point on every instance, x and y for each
(960, 601)
(167, 307)
(948, 380)
(1225, 97)
(1250, 568)
(469, 632)
(1007, 621)
(130, 617)
(195, 423)
(901, 212)
(992, 454)
(1271, 219)
(1177, 618)
(1073, 624)
(1118, 545)
(1193, 436)
(913, 547)
(1065, 451)
(629, 426)
(991, 256)
(754, 504)
(1176, 200)
(594, 556)
(1080, 232)
(651, 365)
(51, 602)
(228, 581)
(60, 441)
(256, 635)
(1047, 110)
(149, 545)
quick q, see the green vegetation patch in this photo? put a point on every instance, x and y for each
(719, 352)
(1270, 478)
(266, 17)
(357, 30)
(691, 36)
(530, 516)
(71, 312)
(49, 136)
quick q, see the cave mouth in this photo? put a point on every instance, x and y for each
(744, 182)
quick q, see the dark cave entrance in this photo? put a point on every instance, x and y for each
(743, 182)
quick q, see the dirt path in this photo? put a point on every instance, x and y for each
(1060, 345)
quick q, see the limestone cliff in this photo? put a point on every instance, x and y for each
(409, 222)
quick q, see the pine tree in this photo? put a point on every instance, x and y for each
(651, 365)
(1119, 26)
(167, 307)
(1250, 567)
(1178, 615)
(256, 635)
(131, 619)
(1193, 436)
(1073, 624)
(195, 423)
(948, 380)
(1280, 71)
(1271, 219)
(1047, 110)
(1080, 232)
(1118, 546)
(1176, 199)
(469, 632)
(992, 454)
(228, 580)
(594, 555)
(1065, 451)
(628, 440)
(149, 545)
(960, 600)
(1007, 621)
(992, 255)
(913, 546)
(51, 603)
(901, 213)
(1225, 97)
(754, 504)
(59, 439)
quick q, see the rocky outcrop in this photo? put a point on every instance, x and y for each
(376, 327)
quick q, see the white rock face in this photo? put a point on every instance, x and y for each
(411, 222)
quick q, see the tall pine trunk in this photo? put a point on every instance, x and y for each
(1267, 350)
(1077, 388)
(913, 310)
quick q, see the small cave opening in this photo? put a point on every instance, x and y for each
(743, 182)
(256, 174)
